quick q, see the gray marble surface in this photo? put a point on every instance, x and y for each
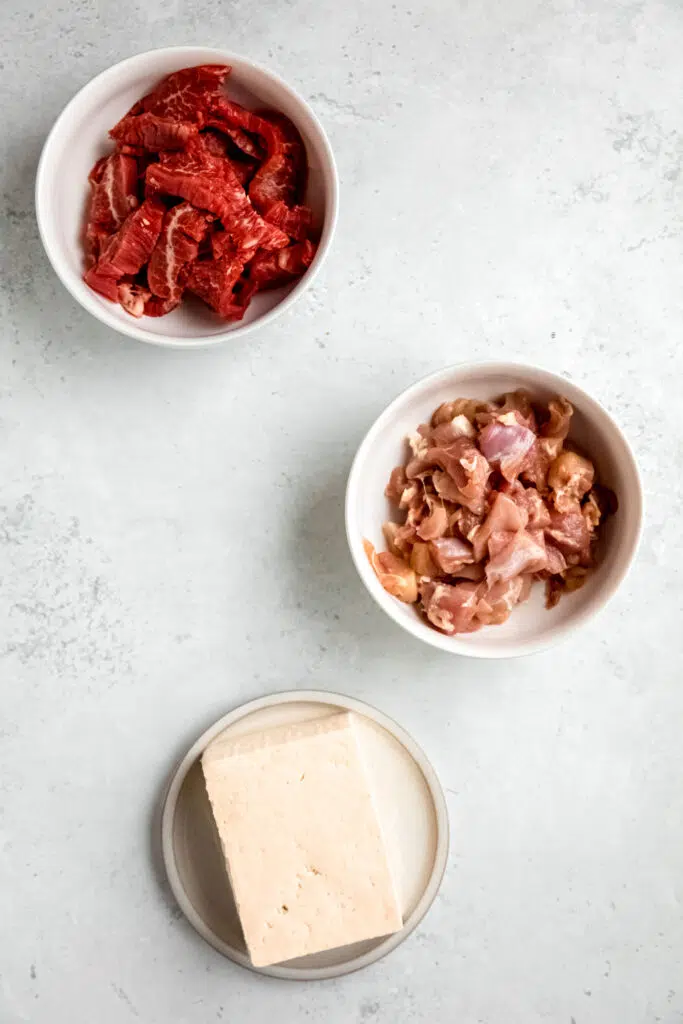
(171, 537)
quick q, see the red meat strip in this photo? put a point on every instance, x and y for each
(182, 231)
(210, 183)
(296, 221)
(114, 180)
(214, 143)
(96, 238)
(186, 95)
(238, 136)
(102, 284)
(217, 146)
(280, 178)
(221, 244)
(224, 113)
(214, 282)
(132, 245)
(154, 306)
(273, 269)
(151, 132)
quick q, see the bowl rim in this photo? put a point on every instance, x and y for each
(333, 699)
(456, 644)
(88, 301)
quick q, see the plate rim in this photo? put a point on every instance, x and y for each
(333, 699)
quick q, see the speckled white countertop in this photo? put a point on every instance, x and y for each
(171, 536)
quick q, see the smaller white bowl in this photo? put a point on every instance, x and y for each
(531, 627)
(410, 804)
(80, 136)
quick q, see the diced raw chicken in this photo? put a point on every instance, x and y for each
(451, 554)
(504, 515)
(394, 574)
(570, 477)
(523, 553)
(451, 609)
(506, 443)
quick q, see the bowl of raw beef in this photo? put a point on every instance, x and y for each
(493, 508)
(186, 196)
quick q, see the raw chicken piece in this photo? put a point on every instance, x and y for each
(435, 524)
(523, 553)
(394, 574)
(495, 605)
(451, 608)
(570, 477)
(451, 554)
(504, 515)
(506, 442)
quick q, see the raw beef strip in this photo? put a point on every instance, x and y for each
(281, 177)
(214, 281)
(102, 284)
(216, 145)
(149, 131)
(221, 244)
(209, 183)
(160, 307)
(114, 180)
(272, 269)
(238, 136)
(133, 243)
(296, 221)
(225, 113)
(187, 94)
(182, 231)
(96, 238)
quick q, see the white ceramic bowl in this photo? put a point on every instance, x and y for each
(531, 627)
(410, 804)
(79, 137)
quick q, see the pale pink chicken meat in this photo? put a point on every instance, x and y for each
(490, 501)
(506, 443)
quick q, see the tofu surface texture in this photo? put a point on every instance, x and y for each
(301, 838)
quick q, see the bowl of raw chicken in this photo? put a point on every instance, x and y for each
(491, 509)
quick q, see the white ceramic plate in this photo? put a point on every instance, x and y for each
(80, 136)
(410, 803)
(531, 627)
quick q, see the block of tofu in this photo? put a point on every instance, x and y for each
(301, 839)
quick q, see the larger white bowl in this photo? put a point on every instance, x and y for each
(531, 627)
(79, 137)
